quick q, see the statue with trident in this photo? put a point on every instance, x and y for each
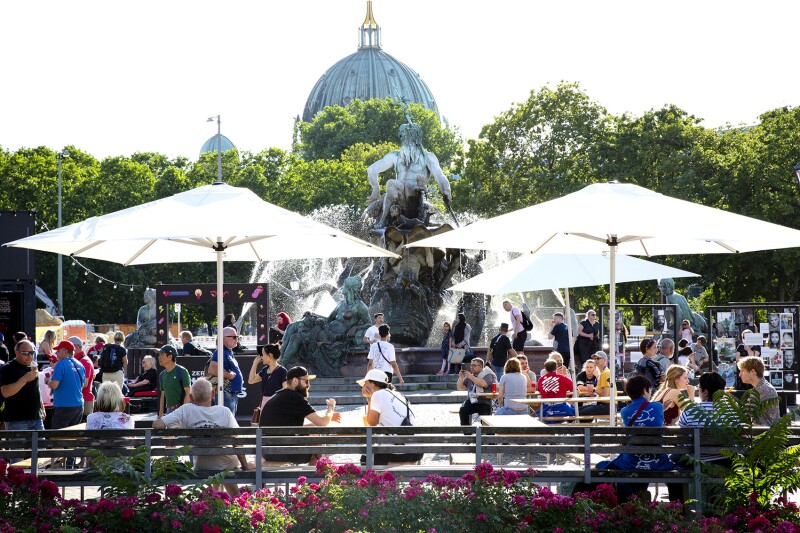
(413, 167)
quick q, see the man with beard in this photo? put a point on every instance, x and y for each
(413, 166)
(289, 407)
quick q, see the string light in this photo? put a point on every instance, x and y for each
(87, 271)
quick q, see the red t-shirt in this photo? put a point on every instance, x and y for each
(83, 359)
(553, 385)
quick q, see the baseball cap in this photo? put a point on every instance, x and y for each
(374, 375)
(53, 358)
(299, 372)
(168, 348)
(600, 355)
(65, 345)
(75, 341)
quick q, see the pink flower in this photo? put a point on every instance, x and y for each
(301, 480)
(127, 513)
(153, 497)
(760, 523)
(363, 512)
(209, 529)
(176, 524)
(173, 490)
(257, 517)
(481, 517)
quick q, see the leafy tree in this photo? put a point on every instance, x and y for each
(535, 151)
(335, 129)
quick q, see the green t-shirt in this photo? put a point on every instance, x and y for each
(172, 385)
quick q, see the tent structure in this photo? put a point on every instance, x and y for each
(618, 218)
(212, 223)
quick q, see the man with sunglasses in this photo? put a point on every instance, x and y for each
(230, 368)
(20, 387)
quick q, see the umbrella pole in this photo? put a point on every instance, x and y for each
(568, 318)
(220, 315)
(612, 329)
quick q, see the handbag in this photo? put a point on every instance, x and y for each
(256, 418)
(407, 420)
(456, 356)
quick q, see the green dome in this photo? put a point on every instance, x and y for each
(368, 74)
(211, 144)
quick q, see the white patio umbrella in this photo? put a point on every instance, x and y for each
(211, 223)
(542, 271)
(618, 217)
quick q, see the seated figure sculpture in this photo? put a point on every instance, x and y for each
(667, 288)
(324, 341)
(145, 334)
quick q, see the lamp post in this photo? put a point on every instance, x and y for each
(62, 154)
(219, 147)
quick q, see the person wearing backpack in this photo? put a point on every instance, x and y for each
(114, 360)
(173, 382)
(381, 356)
(520, 334)
(646, 366)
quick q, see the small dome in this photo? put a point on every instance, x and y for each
(211, 144)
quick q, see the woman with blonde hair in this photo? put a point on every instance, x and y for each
(109, 409)
(672, 391)
(46, 344)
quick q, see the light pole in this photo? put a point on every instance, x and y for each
(219, 147)
(62, 154)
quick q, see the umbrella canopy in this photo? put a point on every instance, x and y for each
(542, 271)
(618, 217)
(203, 224)
(188, 226)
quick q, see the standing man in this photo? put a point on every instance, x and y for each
(479, 378)
(289, 407)
(520, 335)
(199, 413)
(371, 336)
(173, 382)
(20, 387)
(560, 334)
(67, 382)
(88, 367)
(500, 350)
(381, 355)
(230, 368)
(114, 360)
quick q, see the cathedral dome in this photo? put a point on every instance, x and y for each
(368, 74)
(211, 144)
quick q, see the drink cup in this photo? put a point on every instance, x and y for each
(494, 388)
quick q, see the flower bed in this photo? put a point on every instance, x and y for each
(348, 499)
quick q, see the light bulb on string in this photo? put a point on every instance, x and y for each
(85, 272)
(100, 280)
(115, 285)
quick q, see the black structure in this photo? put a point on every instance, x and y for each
(17, 276)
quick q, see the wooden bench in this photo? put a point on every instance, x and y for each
(584, 445)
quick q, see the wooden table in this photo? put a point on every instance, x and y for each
(540, 402)
(512, 421)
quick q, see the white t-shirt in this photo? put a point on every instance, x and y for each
(515, 312)
(44, 389)
(196, 416)
(392, 407)
(378, 360)
(109, 421)
(372, 334)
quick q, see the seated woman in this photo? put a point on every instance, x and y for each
(639, 413)
(147, 380)
(587, 379)
(386, 407)
(672, 391)
(109, 409)
(513, 386)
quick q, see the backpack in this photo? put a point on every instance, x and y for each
(110, 360)
(642, 369)
(526, 321)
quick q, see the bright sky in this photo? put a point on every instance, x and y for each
(118, 77)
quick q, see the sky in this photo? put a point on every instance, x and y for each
(120, 77)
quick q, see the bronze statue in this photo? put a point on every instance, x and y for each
(667, 288)
(323, 342)
(145, 334)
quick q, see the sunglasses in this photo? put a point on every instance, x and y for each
(27, 353)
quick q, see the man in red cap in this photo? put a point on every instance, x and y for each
(68, 379)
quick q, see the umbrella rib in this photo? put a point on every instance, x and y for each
(255, 252)
(139, 252)
(729, 248)
(89, 247)
(543, 244)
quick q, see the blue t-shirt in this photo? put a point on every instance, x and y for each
(70, 375)
(230, 365)
(561, 337)
(651, 416)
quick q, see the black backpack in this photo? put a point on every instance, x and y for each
(110, 358)
(526, 321)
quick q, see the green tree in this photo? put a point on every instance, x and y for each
(335, 129)
(535, 151)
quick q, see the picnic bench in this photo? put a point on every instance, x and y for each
(571, 440)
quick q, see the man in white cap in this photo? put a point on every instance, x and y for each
(88, 367)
